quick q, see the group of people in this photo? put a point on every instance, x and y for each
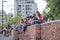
(21, 27)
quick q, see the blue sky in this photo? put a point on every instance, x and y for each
(41, 4)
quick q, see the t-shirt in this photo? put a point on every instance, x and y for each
(12, 26)
(19, 28)
(30, 21)
(4, 29)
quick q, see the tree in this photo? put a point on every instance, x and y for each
(54, 12)
(18, 18)
(10, 20)
(45, 15)
(13, 20)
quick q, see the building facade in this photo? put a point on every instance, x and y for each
(25, 7)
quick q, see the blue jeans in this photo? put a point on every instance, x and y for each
(37, 22)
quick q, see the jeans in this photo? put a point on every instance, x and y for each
(36, 22)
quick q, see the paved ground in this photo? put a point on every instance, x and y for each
(5, 38)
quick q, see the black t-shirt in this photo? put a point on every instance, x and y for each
(35, 18)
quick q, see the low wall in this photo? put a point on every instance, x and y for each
(50, 31)
(45, 31)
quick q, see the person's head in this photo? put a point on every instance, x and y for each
(8, 25)
(27, 17)
(38, 13)
(34, 14)
(31, 16)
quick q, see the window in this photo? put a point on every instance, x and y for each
(28, 8)
(28, 2)
(31, 12)
(26, 12)
(17, 8)
(23, 8)
(32, 2)
(16, 0)
(19, 5)
(23, 5)
(27, 5)
(18, 11)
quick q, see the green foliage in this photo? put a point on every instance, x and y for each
(6, 25)
(17, 18)
(0, 25)
(45, 15)
(10, 20)
(54, 12)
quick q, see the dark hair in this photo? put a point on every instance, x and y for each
(28, 16)
(31, 16)
(34, 14)
(22, 21)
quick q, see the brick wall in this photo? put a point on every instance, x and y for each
(45, 31)
(50, 31)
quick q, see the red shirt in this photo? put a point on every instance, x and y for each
(41, 18)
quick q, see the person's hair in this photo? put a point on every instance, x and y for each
(31, 16)
(34, 14)
(28, 16)
(22, 20)
(38, 13)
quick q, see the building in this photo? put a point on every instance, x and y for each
(25, 7)
(4, 17)
(10, 14)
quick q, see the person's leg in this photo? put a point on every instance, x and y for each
(38, 22)
(1, 31)
(33, 23)
(4, 32)
(25, 28)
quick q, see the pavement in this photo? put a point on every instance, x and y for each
(5, 38)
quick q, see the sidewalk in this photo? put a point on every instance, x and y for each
(5, 38)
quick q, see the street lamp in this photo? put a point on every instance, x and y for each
(2, 10)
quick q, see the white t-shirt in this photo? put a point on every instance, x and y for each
(12, 26)
(4, 29)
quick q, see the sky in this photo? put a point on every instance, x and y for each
(41, 4)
